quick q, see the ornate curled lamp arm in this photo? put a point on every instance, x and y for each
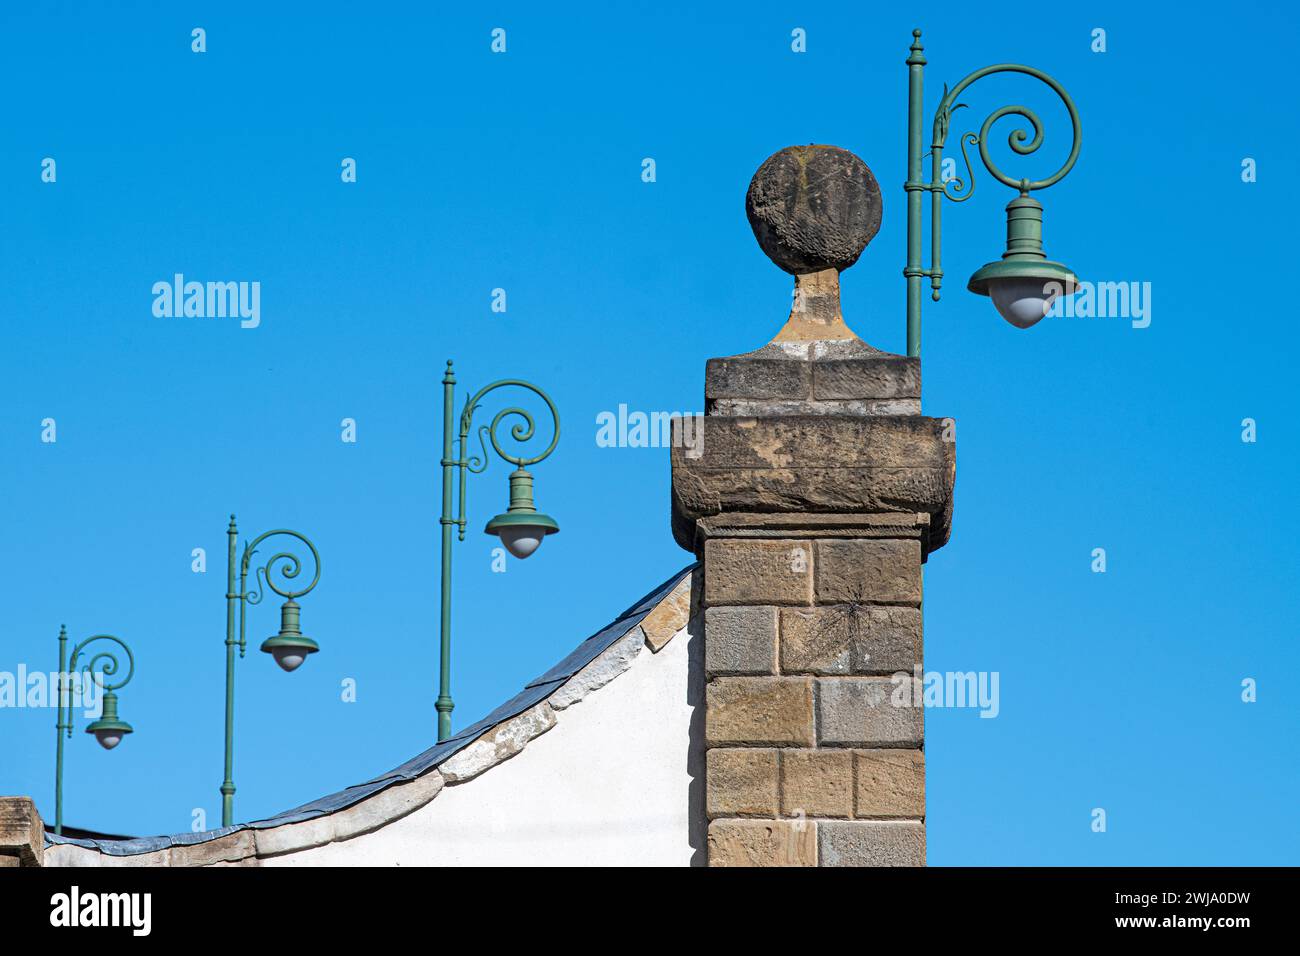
(522, 431)
(111, 665)
(291, 568)
(1020, 141)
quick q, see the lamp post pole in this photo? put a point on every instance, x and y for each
(1024, 283)
(233, 603)
(521, 527)
(289, 648)
(914, 271)
(444, 704)
(109, 728)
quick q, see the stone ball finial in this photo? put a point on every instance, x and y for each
(813, 208)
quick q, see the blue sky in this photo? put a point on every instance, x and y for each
(522, 171)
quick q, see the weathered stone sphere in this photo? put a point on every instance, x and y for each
(813, 208)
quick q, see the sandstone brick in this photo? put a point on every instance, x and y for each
(386, 806)
(827, 463)
(889, 783)
(887, 640)
(869, 571)
(670, 615)
(757, 378)
(882, 376)
(757, 407)
(22, 835)
(817, 783)
(740, 640)
(611, 662)
(762, 843)
(756, 571)
(869, 712)
(850, 638)
(69, 854)
(815, 640)
(759, 710)
(741, 782)
(227, 849)
(871, 843)
(499, 744)
(292, 837)
(370, 814)
(799, 442)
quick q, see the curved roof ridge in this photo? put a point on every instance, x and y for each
(534, 694)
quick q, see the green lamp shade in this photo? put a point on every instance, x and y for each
(1041, 271)
(1024, 283)
(522, 531)
(109, 729)
(290, 650)
(290, 647)
(522, 527)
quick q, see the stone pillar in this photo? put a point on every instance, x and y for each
(22, 835)
(813, 491)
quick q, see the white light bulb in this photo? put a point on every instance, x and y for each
(521, 540)
(1024, 301)
(289, 658)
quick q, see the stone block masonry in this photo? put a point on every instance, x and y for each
(812, 627)
(811, 760)
(812, 619)
(22, 836)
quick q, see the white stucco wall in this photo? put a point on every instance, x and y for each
(617, 781)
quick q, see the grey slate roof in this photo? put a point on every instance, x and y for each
(536, 691)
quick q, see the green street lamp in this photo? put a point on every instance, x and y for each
(521, 526)
(109, 729)
(289, 648)
(1024, 283)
